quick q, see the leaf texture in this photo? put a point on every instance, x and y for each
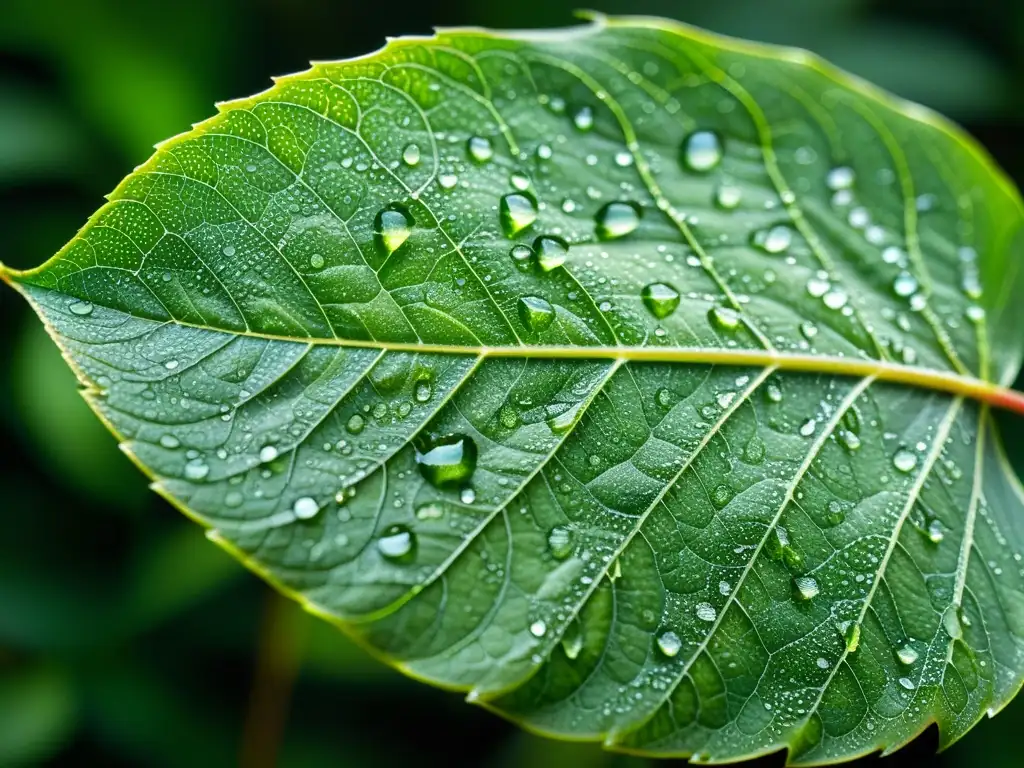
(629, 378)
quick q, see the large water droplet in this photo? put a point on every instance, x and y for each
(411, 155)
(316, 261)
(392, 227)
(423, 390)
(617, 219)
(805, 587)
(305, 508)
(536, 313)
(480, 149)
(773, 240)
(705, 611)
(447, 462)
(907, 654)
(560, 542)
(661, 299)
(80, 308)
(725, 318)
(904, 460)
(702, 151)
(518, 210)
(669, 642)
(355, 424)
(551, 252)
(397, 544)
(951, 623)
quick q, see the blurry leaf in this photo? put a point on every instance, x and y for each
(37, 141)
(58, 420)
(37, 715)
(606, 374)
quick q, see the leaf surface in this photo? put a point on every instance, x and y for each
(635, 380)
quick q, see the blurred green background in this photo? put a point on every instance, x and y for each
(125, 637)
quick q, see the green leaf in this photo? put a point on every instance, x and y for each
(635, 380)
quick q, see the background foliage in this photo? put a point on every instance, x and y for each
(126, 638)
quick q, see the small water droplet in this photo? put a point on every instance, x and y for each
(430, 511)
(572, 640)
(535, 313)
(467, 495)
(823, 663)
(851, 636)
(727, 197)
(520, 181)
(267, 454)
(228, 250)
(773, 240)
(702, 151)
(480, 149)
(808, 427)
(907, 683)
(423, 390)
(849, 440)
(904, 460)
(617, 219)
(538, 628)
(907, 654)
(661, 299)
(550, 251)
(840, 178)
(316, 261)
(306, 508)
(669, 642)
(170, 442)
(447, 462)
(934, 532)
(392, 227)
(397, 544)
(518, 210)
(583, 119)
(905, 284)
(355, 424)
(196, 469)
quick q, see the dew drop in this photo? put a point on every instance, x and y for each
(907, 654)
(550, 251)
(411, 155)
(170, 442)
(669, 642)
(702, 151)
(773, 240)
(934, 532)
(538, 628)
(306, 508)
(392, 227)
(661, 299)
(808, 427)
(535, 313)
(849, 440)
(517, 210)
(617, 219)
(572, 640)
(521, 256)
(725, 318)
(805, 587)
(840, 178)
(583, 119)
(560, 542)
(705, 611)
(904, 460)
(397, 544)
(267, 454)
(728, 197)
(316, 261)
(905, 284)
(951, 623)
(423, 390)
(480, 149)
(429, 511)
(228, 250)
(851, 636)
(196, 469)
(447, 462)
(355, 424)
(80, 308)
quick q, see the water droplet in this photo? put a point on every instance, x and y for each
(840, 178)
(583, 119)
(808, 427)
(823, 663)
(355, 424)
(447, 462)
(725, 318)
(423, 390)
(728, 197)
(521, 256)
(663, 397)
(518, 210)
(196, 469)
(480, 149)
(467, 495)
(835, 513)
(397, 544)
(617, 219)
(773, 240)
(392, 227)
(316, 261)
(170, 442)
(805, 587)
(267, 454)
(661, 299)
(905, 284)
(228, 250)
(907, 654)
(702, 151)
(835, 299)
(572, 640)
(705, 611)
(808, 330)
(817, 287)
(447, 180)
(535, 313)
(306, 508)
(721, 495)
(754, 451)
(851, 636)
(951, 623)
(560, 542)
(849, 440)
(80, 308)
(430, 511)
(411, 155)
(669, 642)
(551, 252)
(520, 181)
(508, 416)
(904, 460)
(934, 532)
(907, 683)
(623, 159)
(538, 628)
(773, 392)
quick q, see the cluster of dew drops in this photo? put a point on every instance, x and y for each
(448, 462)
